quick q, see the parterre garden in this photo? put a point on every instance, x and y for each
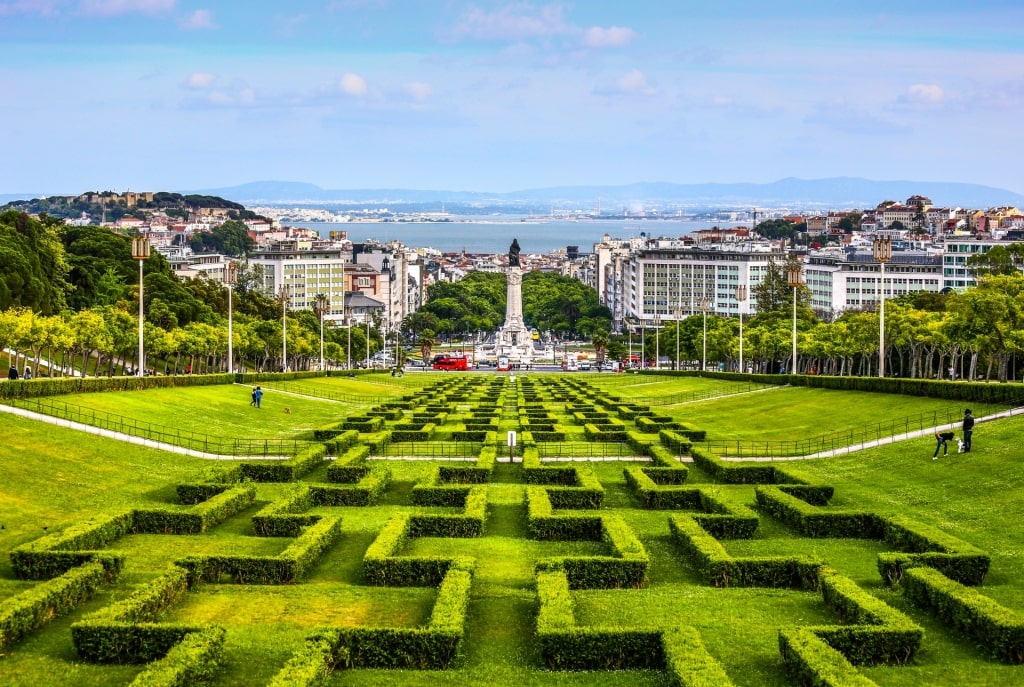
(407, 543)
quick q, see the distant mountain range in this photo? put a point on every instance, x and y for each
(833, 193)
(838, 192)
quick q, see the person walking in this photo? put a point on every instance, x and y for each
(252, 398)
(12, 374)
(258, 395)
(942, 439)
(28, 373)
(968, 429)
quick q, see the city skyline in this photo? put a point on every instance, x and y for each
(501, 96)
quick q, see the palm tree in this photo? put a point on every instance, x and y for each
(426, 344)
(600, 340)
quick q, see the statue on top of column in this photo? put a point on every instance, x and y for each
(513, 254)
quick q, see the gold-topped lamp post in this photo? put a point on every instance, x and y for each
(882, 254)
(657, 342)
(323, 306)
(230, 279)
(705, 303)
(741, 296)
(284, 327)
(140, 252)
(795, 275)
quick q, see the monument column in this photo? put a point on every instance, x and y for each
(513, 337)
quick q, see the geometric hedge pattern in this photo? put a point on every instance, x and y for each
(580, 546)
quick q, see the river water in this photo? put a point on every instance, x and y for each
(490, 236)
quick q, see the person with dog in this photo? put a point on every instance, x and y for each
(943, 439)
(968, 429)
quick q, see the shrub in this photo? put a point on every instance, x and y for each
(996, 628)
(57, 553)
(193, 660)
(124, 632)
(37, 606)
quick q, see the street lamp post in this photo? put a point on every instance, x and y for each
(741, 296)
(629, 329)
(678, 315)
(230, 279)
(284, 327)
(704, 304)
(795, 275)
(323, 306)
(657, 342)
(882, 254)
(140, 252)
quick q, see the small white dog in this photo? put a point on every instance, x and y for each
(959, 445)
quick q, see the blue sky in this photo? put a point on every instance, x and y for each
(502, 96)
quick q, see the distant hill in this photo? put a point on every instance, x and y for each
(838, 192)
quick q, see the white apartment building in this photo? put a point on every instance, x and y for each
(302, 269)
(671, 279)
(853, 280)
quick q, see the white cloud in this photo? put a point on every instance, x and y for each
(117, 7)
(925, 93)
(612, 37)
(514, 22)
(43, 8)
(198, 20)
(352, 84)
(200, 80)
(419, 90)
(634, 81)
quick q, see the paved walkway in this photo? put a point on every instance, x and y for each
(916, 434)
(127, 438)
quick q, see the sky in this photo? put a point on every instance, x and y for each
(165, 95)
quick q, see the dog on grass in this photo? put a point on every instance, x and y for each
(959, 445)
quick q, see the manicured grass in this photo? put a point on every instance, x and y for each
(797, 413)
(220, 411)
(61, 477)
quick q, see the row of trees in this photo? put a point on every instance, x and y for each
(551, 302)
(978, 333)
(104, 341)
(69, 295)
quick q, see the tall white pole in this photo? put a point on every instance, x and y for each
(140, 251)
(142, 353)
(704, 349)
(882, 254)
(284, 327)
(321, 340)
(741, 297)
(231, 352)
(881, 320)
(793, 371)
(230, 277)
(794, 274)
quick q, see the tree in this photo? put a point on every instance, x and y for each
(33, 264)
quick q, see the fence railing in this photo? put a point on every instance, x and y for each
(303, 390)
(847, 439)
(702, 395)
(206, 443)
(432, 449)
(585, 449)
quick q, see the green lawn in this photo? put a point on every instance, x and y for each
(53, 477)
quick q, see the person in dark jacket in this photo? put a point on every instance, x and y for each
(12, 374)
(968, 429)
(942, 439)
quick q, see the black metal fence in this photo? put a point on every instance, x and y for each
(847, 439)
(195, 441)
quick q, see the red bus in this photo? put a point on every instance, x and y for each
(451, 362)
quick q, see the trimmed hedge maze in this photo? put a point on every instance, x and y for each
(576, 546)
